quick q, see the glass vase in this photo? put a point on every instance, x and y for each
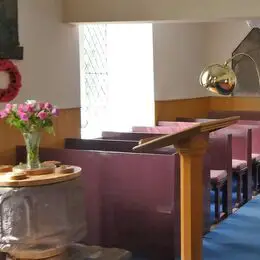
(32, 143)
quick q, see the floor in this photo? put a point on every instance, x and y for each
(237, 237)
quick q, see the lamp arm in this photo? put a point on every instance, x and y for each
(250, 57)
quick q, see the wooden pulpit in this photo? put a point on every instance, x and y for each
(191, 144)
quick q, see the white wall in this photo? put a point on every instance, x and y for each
(163, 10)
(223, 38)
(179, 57)
(50, 69)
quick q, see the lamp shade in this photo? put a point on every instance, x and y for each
(219, 79)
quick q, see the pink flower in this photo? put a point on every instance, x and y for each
(25, 108)
(20, 107)
(42, 115)
(41, 105)
(23, 116)
(55, 111)
(48, 106)
(3, 114)
(8, 108)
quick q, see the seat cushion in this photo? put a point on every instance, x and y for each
(238, 165)
(217, 176)
(256, 156)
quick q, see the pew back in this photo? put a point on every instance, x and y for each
(244, 115)
(132, 200)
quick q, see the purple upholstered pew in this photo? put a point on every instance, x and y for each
(255, 126)
(132, 199)
(220, 167)
(220, 161)
(241, 159)
(100, 144)
(116, 144)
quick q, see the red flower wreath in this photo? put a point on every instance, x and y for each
(12, 90)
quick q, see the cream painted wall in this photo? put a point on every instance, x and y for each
(164, 10)
(223, 38)
(50, 69)
(179, 57)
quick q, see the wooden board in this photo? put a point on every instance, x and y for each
(38, 180)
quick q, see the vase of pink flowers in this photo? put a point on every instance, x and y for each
(31, 118)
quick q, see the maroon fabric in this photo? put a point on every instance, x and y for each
(244, 115)
(100, 144)
(132, 200)
(255, 134)
(241, 149)
(220, 159)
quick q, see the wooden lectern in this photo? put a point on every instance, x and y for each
(191, 144)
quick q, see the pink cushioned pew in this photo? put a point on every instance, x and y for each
(220, 163)
(241, 160)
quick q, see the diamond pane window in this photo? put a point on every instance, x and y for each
(117, 88)
(94, 78)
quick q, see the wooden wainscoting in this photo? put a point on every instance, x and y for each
(234, 103)
(170, 109)
(67, 124)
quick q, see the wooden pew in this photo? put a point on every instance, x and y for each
(241, 160)
(191, 144)
(132, 199)
(116, 145)
(220, 159)
(220, 154)
(255, 127)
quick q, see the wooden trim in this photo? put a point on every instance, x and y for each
(234, 103)
(192, 107)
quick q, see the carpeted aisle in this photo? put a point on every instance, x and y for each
(237, 237)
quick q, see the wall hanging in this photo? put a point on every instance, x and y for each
(11, 91)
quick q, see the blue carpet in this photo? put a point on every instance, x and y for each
(237, 237)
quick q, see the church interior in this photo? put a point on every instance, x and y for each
(129, 130)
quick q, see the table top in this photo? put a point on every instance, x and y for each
(37, 177)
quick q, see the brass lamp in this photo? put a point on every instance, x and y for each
(220, 78)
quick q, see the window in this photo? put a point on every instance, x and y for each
(117, 81)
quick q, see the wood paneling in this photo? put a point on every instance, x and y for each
(199, 107)
(67, 124)
(234, 103)
(170, 109)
